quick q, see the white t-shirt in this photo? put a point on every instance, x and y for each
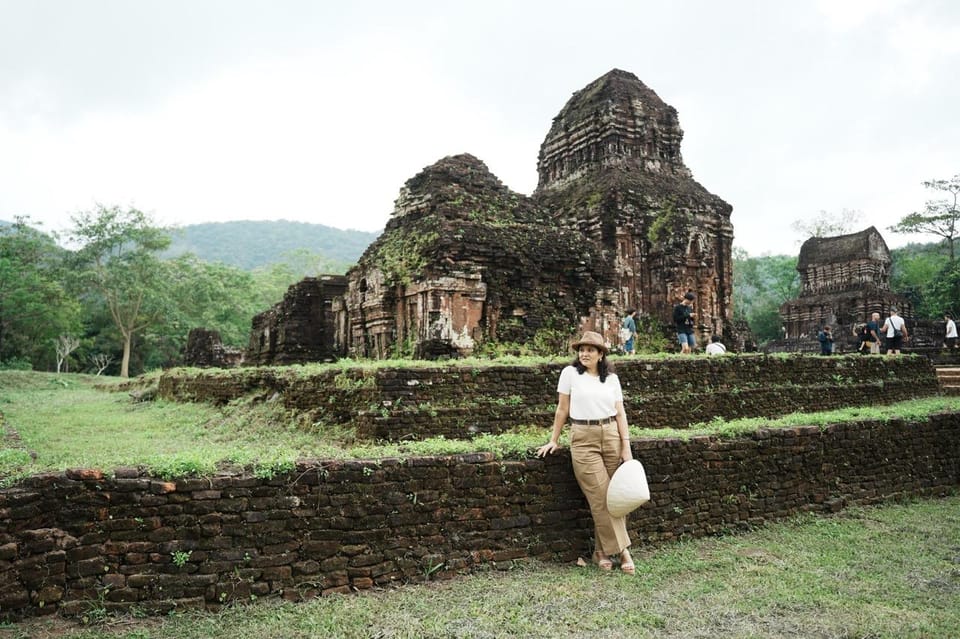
(589, 398)
(951, 328)
(894, 322)
(715, 348)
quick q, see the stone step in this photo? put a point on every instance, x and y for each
(949, 379)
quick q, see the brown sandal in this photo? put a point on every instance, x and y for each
(627, 566)
(603, 563)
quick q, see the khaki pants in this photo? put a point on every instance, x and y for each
(595, 451)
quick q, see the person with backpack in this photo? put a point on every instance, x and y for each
(895, 329)
(683, 321)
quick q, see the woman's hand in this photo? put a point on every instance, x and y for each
(626, 454)
(547, 449)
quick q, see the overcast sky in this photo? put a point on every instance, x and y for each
(319, 111)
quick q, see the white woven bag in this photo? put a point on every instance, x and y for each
(628, 489)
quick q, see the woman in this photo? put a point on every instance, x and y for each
(589, 395)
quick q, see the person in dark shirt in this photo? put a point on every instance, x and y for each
(873, 330)
(683, 321)
(826, 341)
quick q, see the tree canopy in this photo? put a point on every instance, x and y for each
(760, 286)
(118, 260)
(35, 305)
(827, 224)
(939, 217)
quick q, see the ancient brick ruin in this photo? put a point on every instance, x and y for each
(204, 348)
(462, 260)
(843, 280)
(611, 168)
(300, 328)
(616, 222)
(451, 400)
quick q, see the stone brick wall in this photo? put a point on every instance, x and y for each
(81, 540)
(204, 348)
(457, 401)
(301, 327)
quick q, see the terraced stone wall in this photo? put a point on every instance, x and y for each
(82, 540)
(458, 401)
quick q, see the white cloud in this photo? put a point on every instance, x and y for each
(321, 114)
(847, 15)
(922, 46)
(303, 137)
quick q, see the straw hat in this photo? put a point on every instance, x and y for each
(627, 489)
(589, 338)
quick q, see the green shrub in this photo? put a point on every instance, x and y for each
(16, 364)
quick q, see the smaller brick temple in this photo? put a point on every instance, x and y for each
(843, 280)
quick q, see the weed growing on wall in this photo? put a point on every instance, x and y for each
(181, 557)
(354, 380)
(185, 464)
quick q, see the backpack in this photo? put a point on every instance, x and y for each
(678, 315)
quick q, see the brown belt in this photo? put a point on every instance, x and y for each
(594, 422)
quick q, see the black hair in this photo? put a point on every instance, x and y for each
(715, 338)
(631, 311)
(604, 367)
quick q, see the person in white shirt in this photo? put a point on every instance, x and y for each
(590, 397)
(896, 331)
(715, 347)
(950, 339)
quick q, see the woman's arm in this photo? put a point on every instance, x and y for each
(625, 451)
(559, 419)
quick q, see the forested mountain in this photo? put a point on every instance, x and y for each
(252, 244)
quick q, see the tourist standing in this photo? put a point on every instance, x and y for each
(628, 331)
(826, 341)
(873, 333)
(590, 397)
(683, 321)
(950, 338)
(895, 329)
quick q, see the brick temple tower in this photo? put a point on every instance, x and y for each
(611, 167)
